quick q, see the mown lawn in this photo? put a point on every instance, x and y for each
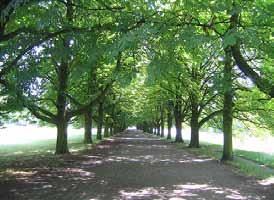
(258, 164)
(40, 152)
(259, 157)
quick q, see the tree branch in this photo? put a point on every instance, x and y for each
(41, 113)
(262, 83)
(210, 116)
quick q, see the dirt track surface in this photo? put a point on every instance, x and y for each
(134, 165)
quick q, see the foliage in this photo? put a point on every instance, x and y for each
(140, 58)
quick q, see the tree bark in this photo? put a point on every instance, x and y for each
(162, 116)
(264, 83)
(158, 128)
(62, 141)
(169, 124)
(6, 8)
(194, 122)
(150, 128)
(100, 121)
(2, 29)
(88, 128)
(116, 129)
(178, 120)
(111, 129)
(63, 75)
(106, 130)
(155, 128)
(62, 121)
(227, 109)
(178, 125)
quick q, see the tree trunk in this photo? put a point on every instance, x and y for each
(113, 117)
(62, 71)
(116, 129)
(178, 120)
(2, 29)
(106, 130)
(155, 129)
(158, 128)
(62, 143)
(264, 83)
(194, 123)
(62, 122)
(62, 138)
(111, 129)
(169, 124)
(150, 129)
(88, 128)
(8, 10)
(100, 121)
(162, 122)
(178, 125)
(227, 109)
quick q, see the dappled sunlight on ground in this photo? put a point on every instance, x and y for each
(186, 191)
(134, 168)
(139, 146)
(146, 159)
(141, 139)
(196, 160)
(268, 181)
(45, 181)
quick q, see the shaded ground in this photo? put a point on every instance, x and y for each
(130, 166)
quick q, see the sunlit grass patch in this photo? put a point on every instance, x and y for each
(251, 163)
(251, 168)
(39, 153)
(75, 143)
(259, 157)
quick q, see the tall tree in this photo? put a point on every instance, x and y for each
(228, 107)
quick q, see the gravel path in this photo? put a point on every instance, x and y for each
(134, 165)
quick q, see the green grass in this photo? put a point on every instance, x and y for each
(248, 162)
(44, 146)
(38, 152)
(259, 157)
(257, 164)
(251, 168)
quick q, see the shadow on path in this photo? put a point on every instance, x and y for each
(133, 165)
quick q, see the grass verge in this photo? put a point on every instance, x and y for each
(250, 163)
(257, 164)
(39, 153)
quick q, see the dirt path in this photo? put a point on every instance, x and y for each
(134, 166)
